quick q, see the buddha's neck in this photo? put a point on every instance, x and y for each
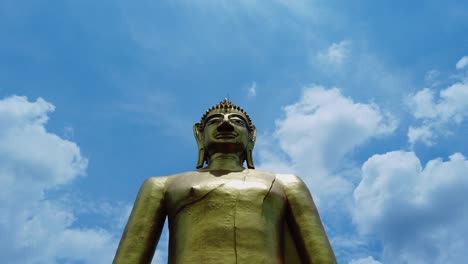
(225, 161)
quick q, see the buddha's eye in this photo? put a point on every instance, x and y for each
(238, 121)
(213, 121)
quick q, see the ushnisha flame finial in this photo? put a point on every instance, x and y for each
(226, 106)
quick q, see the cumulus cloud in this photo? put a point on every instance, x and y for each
(422, 104)
(451, 107)
(424, 134)
(33, 161)
(318, 132)
(462, 63)
(438, 112)
(419, 213)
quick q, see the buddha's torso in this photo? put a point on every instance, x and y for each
(233, 217)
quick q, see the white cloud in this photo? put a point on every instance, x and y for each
(270, 156)
(368, 260)
(336, 54)
(422, 104)
(318, 132)
(462, 62)
(450, 108)
(424, 134)
(33, 161)
(454, 105)
(419, 213)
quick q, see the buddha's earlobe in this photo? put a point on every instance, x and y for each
(250, 146)
(249, 160)
(201, 149)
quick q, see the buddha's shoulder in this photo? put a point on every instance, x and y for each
(280, 178)
(167, 179)
(284, 180)
(288, 179)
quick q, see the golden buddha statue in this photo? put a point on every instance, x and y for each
(225, 213)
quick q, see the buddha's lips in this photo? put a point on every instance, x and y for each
(225, 135)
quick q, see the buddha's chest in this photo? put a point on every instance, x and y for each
(245, 192)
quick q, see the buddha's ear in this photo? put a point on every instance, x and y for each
(250, 146)
(198, 133)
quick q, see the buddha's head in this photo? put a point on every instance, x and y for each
(227, 128)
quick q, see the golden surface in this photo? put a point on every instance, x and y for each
(225, 217)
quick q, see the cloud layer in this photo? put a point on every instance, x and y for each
(36, 229)
(415, 212)
(418, 212)
(437, 113)
(319, 131)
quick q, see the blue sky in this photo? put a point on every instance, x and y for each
(367, 101)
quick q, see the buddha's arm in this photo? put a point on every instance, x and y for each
(144, 226)
(304, 222)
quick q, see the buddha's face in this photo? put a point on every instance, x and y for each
(226, 128)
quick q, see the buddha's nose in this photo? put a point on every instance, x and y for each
(225, 126)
